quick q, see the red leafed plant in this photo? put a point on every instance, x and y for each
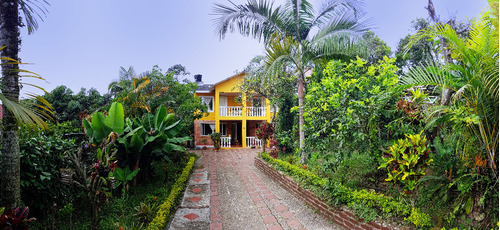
(15, 218)
(264, 132)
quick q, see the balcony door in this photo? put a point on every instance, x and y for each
(222, 105)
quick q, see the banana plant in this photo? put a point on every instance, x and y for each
(151, 136)
(123, 176)
(100, 126)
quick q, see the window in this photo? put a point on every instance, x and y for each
(223, 130)
(209, 102)
(207, 129)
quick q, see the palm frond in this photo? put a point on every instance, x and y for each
(345, 22)
(256, 19)
(331, 8)
(280, 51)
(32, 9)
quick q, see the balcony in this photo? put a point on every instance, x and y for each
(237, 111)
(256, 111)
(230, 111)
(254, 142)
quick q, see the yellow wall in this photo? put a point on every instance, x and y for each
(211, 116)
(231, 86)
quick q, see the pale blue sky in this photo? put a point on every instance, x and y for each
(83, 43)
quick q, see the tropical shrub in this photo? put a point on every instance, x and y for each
(165, 208)
(215, 136)
(16, 218)
(264, 132)
(406, 161)
(151, 137)
(348, 110)
(41, 158)
(354, 170)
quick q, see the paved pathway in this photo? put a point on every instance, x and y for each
(240, 197)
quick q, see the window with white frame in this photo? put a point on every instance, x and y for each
(209, 102)
(207, 129)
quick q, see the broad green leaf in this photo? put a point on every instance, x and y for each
(124, 139)
(168, 147)
(179, 139)
(136, 143)
(101, 131)
(99, 154)
(88, 128)
(115, 119)
(160, 115)
(132, 175)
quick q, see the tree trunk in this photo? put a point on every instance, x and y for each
(300, 92)
(10, 162)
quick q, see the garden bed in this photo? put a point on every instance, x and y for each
(341, 216)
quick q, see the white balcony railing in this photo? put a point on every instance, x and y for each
(225, 142)
(230, 111)
(254, 141)
(256, 111)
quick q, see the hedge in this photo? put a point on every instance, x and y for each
(336, 193)
(160, 219)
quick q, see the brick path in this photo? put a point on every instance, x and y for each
(242, 197)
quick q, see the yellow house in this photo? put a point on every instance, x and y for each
(229, 113)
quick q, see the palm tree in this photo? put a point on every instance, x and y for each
(296, 35)
(10, 38)
(473, 80)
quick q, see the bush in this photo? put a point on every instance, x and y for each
(41, 160)
(353, 170)
(336, 194)
(215, 136)
(165, 208)
(406, 161)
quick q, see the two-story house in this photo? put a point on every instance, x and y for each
(229, 113)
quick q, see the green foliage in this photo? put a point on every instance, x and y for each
(145, 213)
(152, 137)
(100, 127)
(215, 136)
(353, 170)
(286, 118)
(68, 106)
(407, 160)
(123, 176)
(348, 110)
(141, 95)
(336, 194)
(285, 141)
(297, 172)
(377, 49)
(419, 219)
(41, 158)
(160, 219)
(363, 211)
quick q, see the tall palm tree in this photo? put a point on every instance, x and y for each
(10, 24)
(472, 79)
(296, 35)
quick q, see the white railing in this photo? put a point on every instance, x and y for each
(225, 142)
(230, 111)
(254, 141)
(256, 111)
